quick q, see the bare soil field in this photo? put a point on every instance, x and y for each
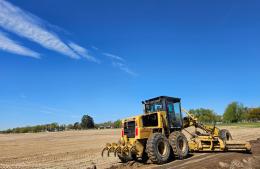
(81, 149)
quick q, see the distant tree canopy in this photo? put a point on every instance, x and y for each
(70, 127)
(205, 115)
(87, 122)
(38, 128)
(117, 124)
(76, 126)
(234, 112)
(251, 114)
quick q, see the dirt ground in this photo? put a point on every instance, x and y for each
(81, 149)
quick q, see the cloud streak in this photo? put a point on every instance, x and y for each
(120, 63)
(124, 68)
(8, 45)
(26, 25)
(94, 47)
(29, 26)
(112, 56)
(82, 52)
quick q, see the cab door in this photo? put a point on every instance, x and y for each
(174, 115)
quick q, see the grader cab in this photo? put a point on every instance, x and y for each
(156, 134)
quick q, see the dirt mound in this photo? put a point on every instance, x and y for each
(128, 165)
(255, 146)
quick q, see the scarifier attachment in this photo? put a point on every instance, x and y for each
(119, 149)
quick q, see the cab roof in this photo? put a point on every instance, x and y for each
(161, 98)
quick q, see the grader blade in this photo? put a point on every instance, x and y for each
(246, 147)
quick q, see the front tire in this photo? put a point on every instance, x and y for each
(179, 144)
(124, 158)
(158, 148)
(143, 159)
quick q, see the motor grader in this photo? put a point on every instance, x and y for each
(157, 134)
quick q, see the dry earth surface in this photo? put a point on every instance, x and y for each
(81, 149)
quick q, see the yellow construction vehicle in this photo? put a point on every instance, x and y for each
(156, 134)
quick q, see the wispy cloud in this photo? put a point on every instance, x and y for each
(124, 68)
(7, 44)
(26, 25)
(94, 47)
(120, 63)
(112, 56)
(29, 26)
(82, 52)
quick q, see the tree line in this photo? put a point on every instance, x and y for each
(35, 129)
(237, 112)
(87, 122)
(234, 112)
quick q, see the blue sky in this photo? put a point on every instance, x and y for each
(62, 59)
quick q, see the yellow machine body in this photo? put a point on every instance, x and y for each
(212, 138)
(136, 145)
(206, 143)
(137, 130)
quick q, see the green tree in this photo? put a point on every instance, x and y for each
(105, 124)
(253, 114)
(77, 126)
(204, 115)
(117, 124)
(62, 127)
(87, 122)
(234, 112)
(53, 127)
(219, 118)
(70, 127)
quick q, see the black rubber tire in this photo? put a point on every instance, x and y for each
(179, 144)
(124, 159)
(158, 148)
(225, 135)
(144, 158)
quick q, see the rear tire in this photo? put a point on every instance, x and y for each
(158, 148)
(179, 144)
(225, 135)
